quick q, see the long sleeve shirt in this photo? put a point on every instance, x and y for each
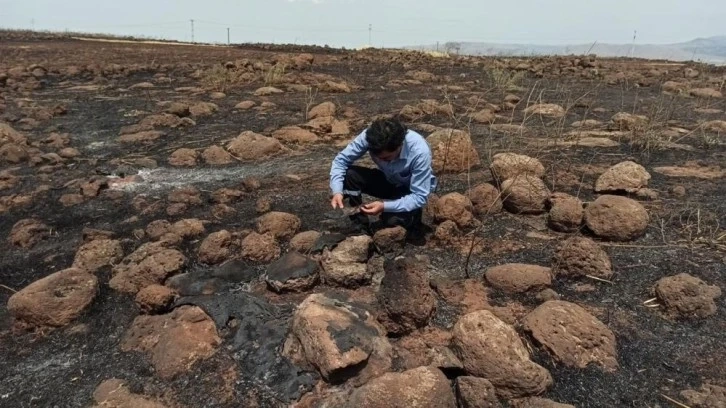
(411, 169)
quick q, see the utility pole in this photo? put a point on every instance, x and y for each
(632, 47)
(192, 21)
(228, 36)
(370, 29)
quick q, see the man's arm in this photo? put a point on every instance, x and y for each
(354, 151)
(421, 173)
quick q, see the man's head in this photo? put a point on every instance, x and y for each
(385, 138)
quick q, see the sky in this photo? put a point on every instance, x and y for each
(345, 23)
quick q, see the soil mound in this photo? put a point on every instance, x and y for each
(616, 218)
(581, 256)
(453, 151)
(281, 225)
(686, 296)
(405, 295)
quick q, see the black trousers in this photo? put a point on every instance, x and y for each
(372, 182)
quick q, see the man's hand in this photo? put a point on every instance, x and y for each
(373, 208)
(337, 201)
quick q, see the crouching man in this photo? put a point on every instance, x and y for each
(402, 182)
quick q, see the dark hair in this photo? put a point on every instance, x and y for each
(385, 135)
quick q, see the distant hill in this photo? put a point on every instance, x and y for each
(709, 50)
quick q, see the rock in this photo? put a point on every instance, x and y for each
(69, 200)
(709, 396)
(454, 207)
(715, 126)
(292, 273)
(216, 248)
(339, 340)
(453, 151)
(674, 87)
(517, 277)
(295, 135)
(580, 256)
(626, 177)
(154, 299)
(141, 137)
(174, 341)
(142, 85)
(686, 296)
(390, 240)
(423, 387)
(537, 402)
(114, 393)
(281, 225)
(473, 392)
(217, 156)
(324, 109)
(572, 335)
(97, 254)
(150, 264)
(491, 349)
(263, 205)
(27, 233)
(547, 294)
(93, 187)
(526, 194)
(705, 93)
(163, 120)
(587, 123)
(304, 241)
(332, 86)
(157, 229)
(202, 109)
(226, 195)
(178, 109)
(484, 116)
(217, 95)
(507, 166)
(692, 169)
(260, 247)
(678, 191)
(447, 232)
(185, 195)
(69, 153)
(10, 135)
(245, 105)
(188, 228)
(628, 121)
(184, 157)
(485, 199)
(546, 109)
(252, 146)
(346, 264)
(565, 212)
(53, 301)
(405, 296)
(616, 218)
(13, 153)
(267, 91)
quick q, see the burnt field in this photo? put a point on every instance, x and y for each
(168, 239)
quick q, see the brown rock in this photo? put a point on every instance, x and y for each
(263, 205)
(525, 194)
(245, 105)
(566, 213)
(706, 93)
(423, 387)
(184, 157)
(453, 151)
(281, 225)
(454, 207)
(295, 134)
(28, 232)
(252, 146)
(616, 218)
(157, 229)
(10, 135)
(517, 278)
(390, 240)
(332, 86)
(580, 256)
(260, 247)
(537, 402)
(546, 109)
(222, 211)
(141, 137)
(715, 126)
(484, 116)
(13, 153)
(628, 121)
(587, 123)
(69, 200)
(176, 209)
(709, 396)
(150, 264)
(174, 341)
(507, 166)
(405, 296)
(202, 109)
(93, 187)
(491, 349)
(217, 95)
(322, 110)
(114, 393)
(292, 273)
(217, 156)
(473, 392)
(572, 335)
(188, 228)
(267, 91)
(674, 87)
(627, 177)
(163, 120)
(55, 300)
(186, 195)
(69, 153)
(304, 241)
(346, 264)
(485, 199)
(154, 299)
(216, 248)
(178, 109)
(686, 296)
(97, 254)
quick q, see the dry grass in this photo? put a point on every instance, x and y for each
(503, 79)
(275, 74)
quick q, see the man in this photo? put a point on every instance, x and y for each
(403, 181)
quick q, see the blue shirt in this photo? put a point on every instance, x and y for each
(412, 168)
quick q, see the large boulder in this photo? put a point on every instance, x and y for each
(581, 256)
(252, 146)
(506, 166)
(423, 387)
(515, 277)
(686, 296)
(55, 300)
(616, 218)
(150, 264)
(565, 212)
(98, 253)
(346, 265)
(281, 225)
(525, 194)
(337, 339)
(293, 272)
(453, 151)
(485, 199)
(174, 341)
(474, 392)
(454, 207)
(405, 295)
(626, 177)
(491, 349)
(575, 337)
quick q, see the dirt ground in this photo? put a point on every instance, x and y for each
(90, 91)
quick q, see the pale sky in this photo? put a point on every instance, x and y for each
(394, 22)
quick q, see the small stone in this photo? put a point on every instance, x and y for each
(216, 156)
(97, 254)
(28, 232)
(453, 151)
(423, 387)
(263, 205)
(346, 264)
(184, 157)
